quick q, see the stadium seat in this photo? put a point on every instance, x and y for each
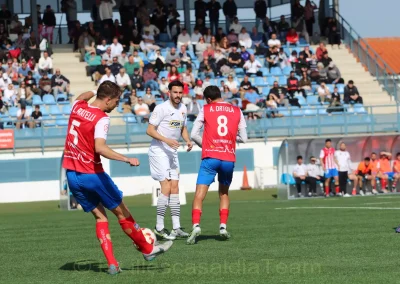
(47, 121)
(62, 121)
(62, 99)
(302, 100)
(265, 91)
(44, 111)
(163, 74)
(37, 100)
(12, 111)
(129, 118)
(276, 71)
(310, 111)
(265, 71)
(297, 112)
(282, 81)
(239, 71)
(313, 100)
(286, 71)
(163, 37)
(322, 111)
(340, 88)
(359, 109)
(140, 93)
(55, 110)
(66, 109)
(287, 179)
(260, 82)
(330, 87)
(49, 100)
(271, 80)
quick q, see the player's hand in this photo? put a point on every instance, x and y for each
(134, 162)
(189, 145)
(173, 143)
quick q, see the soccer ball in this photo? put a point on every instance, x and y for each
(149, 235)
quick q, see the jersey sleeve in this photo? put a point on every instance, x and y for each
(101, 129)
(242, 123)
(322, 154)
(197, 125)
(185, 118)
(157, 116)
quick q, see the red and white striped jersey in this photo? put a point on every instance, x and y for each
(327, 155)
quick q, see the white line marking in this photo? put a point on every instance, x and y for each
(374, 203)
(323, 207)
(388, 197)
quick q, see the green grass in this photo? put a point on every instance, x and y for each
(41, 244)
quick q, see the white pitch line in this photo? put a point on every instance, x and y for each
(374, 203)
(320, 207)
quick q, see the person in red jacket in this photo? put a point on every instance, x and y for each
(292, 38)
(320, 51)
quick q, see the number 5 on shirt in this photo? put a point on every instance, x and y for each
(72, 130)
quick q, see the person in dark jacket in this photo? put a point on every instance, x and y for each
(115, 66)
(213, 13)
(200, 10)
(49, 22)
(260, 8)
(230, 12)
(292, 84)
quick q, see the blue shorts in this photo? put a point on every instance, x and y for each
(210, 167)
(90, 190)
(390, 174)
(331, 173)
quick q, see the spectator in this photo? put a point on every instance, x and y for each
(152, 29)
(282, 59)
(313, 176)
(251, 96)
(149, 99)
(93, 61)
(309, 17)
(235, 26)
(185, 57)
(226, 94)
(244, 54)
(115, 66)
(272, 57)
(100, 71)
(134, 40)
(59, 83)
(5, 14)
(71, 14)
(137, 80)
(252, 67)
(322, 74)
(22, 118)
(123, 80)
(201, 27)
(45, 84)
(260, 9)
(235, 59)
(312, 63)
(283, 28)
(106, 12)
(305, 84)
(45, 64)
(148, 42)
(133, 99)
(224, 45)
(150, 79)
(307, 53)
(123, 59)
(256, 37)
(188, 78)
(334, 75)
(193, 109)
(320, 51)
(49, 21)
(10, 95)
(108, 76)
(293, 84)
(85, 44)
(336, 96)
(273, 41)
(141, 109)
(350, 91)
(246, 84)
(220, 34)
(292, 38)
(184, 40)
(23, 70)
(101, 48)
(30, 83)
(230, 12)
(334, 37)
(164, 91)
(157, 60)
(232, 85)
(76, 33)
(195, 38)
(142, 15)
(5, 81)
(201, 46)
(244, 39)
(279, 95)
(31, 48)
(174, 30)
(324, 93)
(200, 10)
(36, 118)
(300, 174)
(173, 74)
(107, 56)
(213, 12)
(116, 48)
(132, 65)
(326, 60)
(364, 173)
(268, 28)
(172, 55)
(24, 94)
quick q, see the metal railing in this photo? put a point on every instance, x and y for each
(305, 122)
(378, 67)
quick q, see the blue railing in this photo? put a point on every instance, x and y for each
(307, 121)
(378, 67)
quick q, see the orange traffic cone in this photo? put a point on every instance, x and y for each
(245, 185)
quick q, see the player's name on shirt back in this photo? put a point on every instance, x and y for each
(85, 114)
(223, 141)
(223, 108)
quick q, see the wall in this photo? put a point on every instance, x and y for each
(20, 174)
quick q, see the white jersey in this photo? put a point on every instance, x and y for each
(343, 159)
(169, 122)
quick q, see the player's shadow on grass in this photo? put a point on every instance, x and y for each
(84, 265)
(209, 237)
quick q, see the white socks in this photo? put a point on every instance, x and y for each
(162, 204)
(175, 206)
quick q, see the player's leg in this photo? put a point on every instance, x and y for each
(360, 184)
(225, 175)
(160, 171)
(335, 175)
(354, 179)
(342, 183)
(327, 184)
(384, 182)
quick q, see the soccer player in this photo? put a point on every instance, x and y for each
(364, 173)
(385, 170)
(167, 125)
(396, 170)
(375, 168)
(90, 185)
(224, 125)
(328, 163)
(342, 156)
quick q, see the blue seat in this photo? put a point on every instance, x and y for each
(310, 111)
(286, 71)
(36, 100)
(302, 100)
(140, 93)
(360, 110)
(164, 37)
(312, 100)
(284, 112)
(271, 80)
(129, 118)
(55, 110)
(62, 99)
(298, 112)
(265, 91)
(276, 71)
(163, 74)
(191, 54)
(49, 100)
(44, 111)
(282, 81)
(287, 179)
(340, 88)
(259, 82)
(62, 121)
(66, 109)
(265, 71)
(322, 111)
(251, 51)
(48, 121)
(330, 87)
(12, 111)
(239, 71)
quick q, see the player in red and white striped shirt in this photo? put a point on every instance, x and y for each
(329, 165)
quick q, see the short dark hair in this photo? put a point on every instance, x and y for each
(299, 157)
(328, 140)
(108, 89)
(367, 159)
(373, 153)
(351, 82)
(398, 154)
(175, 84)
(37, 106)
(212, 92)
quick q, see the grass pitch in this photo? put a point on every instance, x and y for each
(334, 240)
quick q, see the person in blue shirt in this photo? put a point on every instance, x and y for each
(256, 37)
(244, 54)
(23, 70)
(252, 96)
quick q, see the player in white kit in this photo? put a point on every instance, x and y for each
(167, 125)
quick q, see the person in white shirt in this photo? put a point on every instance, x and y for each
(153, 30)
(167, 125)
(147, 44)
(195, 38)
(123, 80)
(299, 174)
(106, 11)
(107, 77)
(102, 47)
(107, 56)
(5, 81)
(273, 41)
(123, 58)
(10, 96)
(232, 85)
(163, 83)
(116, 48)
(141, 109)
(184, 40)
(236, 26)
(345, 170)
(252, 66)
(45, 64)
(313, 176)
(245, 39)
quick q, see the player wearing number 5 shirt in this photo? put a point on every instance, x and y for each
(224, 125)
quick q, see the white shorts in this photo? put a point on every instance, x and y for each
(164, 167)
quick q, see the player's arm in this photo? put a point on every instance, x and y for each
(86, 96)
(242, 133)
(186, 137)
(321, 158)
(197, 126)
(336, 160)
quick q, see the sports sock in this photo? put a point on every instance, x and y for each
(196, 216)
(223, 216)
(132, 229)
(162, 204)
(337, 188)
(327, 189)
(175, 207)
(383, 183)
(103, 235)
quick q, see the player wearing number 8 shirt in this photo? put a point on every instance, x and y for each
(224, 125)
(91, 186)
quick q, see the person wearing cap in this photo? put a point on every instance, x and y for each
(313, 176)
(299, 174)
(334, 75)
(85, 44)
(244, 38)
